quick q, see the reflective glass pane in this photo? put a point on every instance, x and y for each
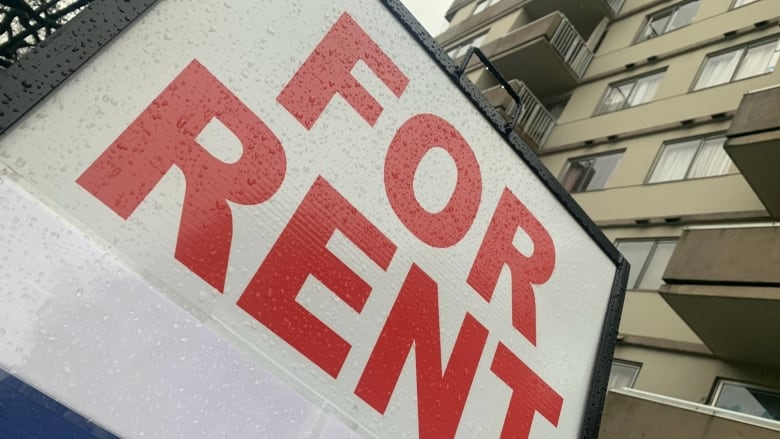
(718, 69)
(574, 175)
(773, 59)
(657, 25)
(616, 97)
(645, 89)
(684, 15)
(739, 3)
(711, 159)
(480, 6)
(622, 375)
(749, 400)
(636, 253)
(674, 161)
(478, 40)
(756, 60)
(651, 279)
(603, 168)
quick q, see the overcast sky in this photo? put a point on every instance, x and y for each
(430, 13)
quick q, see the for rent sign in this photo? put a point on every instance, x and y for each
(306, 180)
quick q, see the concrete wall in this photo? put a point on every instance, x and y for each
(703, 199)
(752, 256)
(629, 416)
(646, 314)
(689, 376)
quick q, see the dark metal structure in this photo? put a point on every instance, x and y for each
(26, 23)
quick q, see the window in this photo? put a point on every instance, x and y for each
(739, 63)
(749, 399)
(590, 173)
(738, 3)
(669, 19)
(630, 93)
(462, 48)
(483, 4)
(622, 374)
(693, 158)
(648, 259)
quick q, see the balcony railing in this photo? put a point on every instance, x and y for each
(535, 121)
(572, 47)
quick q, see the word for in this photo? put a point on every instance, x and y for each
(164, 135)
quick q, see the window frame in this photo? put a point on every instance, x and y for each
(702, 139)
(570, 161)
(643, 270)
(639, 38)
(632, 364)
(734, 4)
(717, 388)
(744, 48)
(635, 79)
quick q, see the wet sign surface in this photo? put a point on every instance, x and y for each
(307, 182)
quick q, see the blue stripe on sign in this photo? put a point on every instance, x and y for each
(26, 413)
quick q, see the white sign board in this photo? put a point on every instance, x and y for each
(304, 180)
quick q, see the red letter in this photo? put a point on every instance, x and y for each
(414, 139)
(497, 250)
(301, 251)
(529, 394)
(414, 319)
(328, 71)
(163, 136)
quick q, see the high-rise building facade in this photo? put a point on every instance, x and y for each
(662, 118)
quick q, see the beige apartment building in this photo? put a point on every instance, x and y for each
(662, 118)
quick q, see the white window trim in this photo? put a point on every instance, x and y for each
(600, 107)
(643, 269)
(674, 9)
(744, 49)
(720, 382)
(569, 162)
(630, 364)
(701, 139)
(736, 3)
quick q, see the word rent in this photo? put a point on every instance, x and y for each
(164, 135)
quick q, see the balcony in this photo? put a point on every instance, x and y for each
(630, 413)
(585, 15)
(725, 284)
(548, 55)
(534, 123)
(754, 144)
